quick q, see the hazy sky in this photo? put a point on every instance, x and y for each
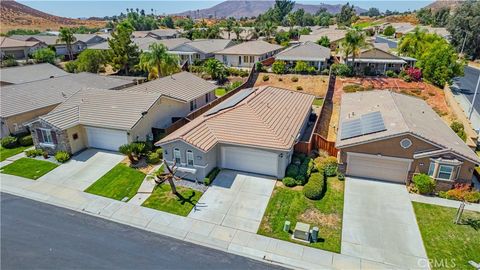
(88, 8)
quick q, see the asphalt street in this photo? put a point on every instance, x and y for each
(35, 235)
(466, 85)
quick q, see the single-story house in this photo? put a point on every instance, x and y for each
(18, 49)
(391, 137)
(334, 35)
(246, 54)
(375, 61)
(392, 43)
(30, 73)
(254, 130)
(200, 49)
(145, 42)
(60, 48)
(313, 54)
(107, 119)
(21, 103)
(157, 33)
(90, 39)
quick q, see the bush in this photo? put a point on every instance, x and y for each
(26, 140)
(389, 31)
(259, 66)
(314, 189)
(71, 67)
(139, 148)
(340, 176)
(292, 171)
(461, 192)
(211, 176)
(45, 55)
(459, 129)
(301, 67)
(391, 74)
(159, 151)
(34, 153)
(279, 67)
(62, 156)
(289, 181)
(294, 79)
(352, 88)
(424, 184)
(9, 142)
(301, 180)
(299, 88)
(325, 72)
(329, 165)
(153, 158)
(342, 70)
(266, 78)
(414, 73)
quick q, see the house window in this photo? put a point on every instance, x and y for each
(445, 172)
(252, 59)
(406, 143)
(245, 59)
(431, 169)
(46, 136)
(207, 97)
(189, 158)
(193, 105)
(176, 155)
(224, 57)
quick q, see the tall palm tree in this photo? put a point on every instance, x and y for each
(269, 29)
(238, 31)
(230, 24)
(158, 62)
(354, 41)
(66, 36)
(256, 31)
(413, 43)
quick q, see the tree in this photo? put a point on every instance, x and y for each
(213, 32)
(279, 10)
(169, 176)
(324, 41)
(301, 67)
(282, 37)
(425, 16)
(215, 69)
(167, 21)
(389, 31)
(44, 55)
(441, 17)
(238, 31)
(372, 12)
(347, 15)
(127, 150)
(269, 29)
(66, 36)
(415, 43)
(464, 28)
(124, 52)
(91, 61)
(354, 41)
(279, 67)
(158, 62)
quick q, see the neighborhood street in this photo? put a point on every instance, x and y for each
(41, 236)
(466, 84)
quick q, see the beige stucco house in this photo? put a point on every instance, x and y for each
(375, 61)
(18, 49)
(248, 53)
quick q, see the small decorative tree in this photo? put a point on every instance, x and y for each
(168, 175)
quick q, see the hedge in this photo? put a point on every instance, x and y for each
(211, 176)
(314, 188)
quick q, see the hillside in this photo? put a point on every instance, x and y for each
(249, 8)
(452, 4)
(16, 15)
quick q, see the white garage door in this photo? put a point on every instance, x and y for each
(249, 160)
(108, 139)
(378, 167)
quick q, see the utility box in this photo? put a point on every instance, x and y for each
(302, 231)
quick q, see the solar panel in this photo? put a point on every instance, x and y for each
(367, 124)
(232, 101)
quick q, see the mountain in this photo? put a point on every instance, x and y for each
(452, 4)
(249, 8)
(16, 15)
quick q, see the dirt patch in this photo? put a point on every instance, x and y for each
(280, 184)
(336, 185)
(140, 166)
(310, 84)
(314, 216)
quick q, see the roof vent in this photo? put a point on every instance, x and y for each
(144, 113)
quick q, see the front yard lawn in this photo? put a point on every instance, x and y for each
(29, 168)
(120, 182)
(162, 199)
(290, 204)
(6, 153)
(445, 241)
(220, 92)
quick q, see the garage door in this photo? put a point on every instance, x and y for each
(108, 139)
(378, 167)
(249, 160)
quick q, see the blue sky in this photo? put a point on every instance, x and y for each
(88, 8)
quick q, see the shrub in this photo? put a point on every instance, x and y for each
(9, 142)
(45, 55)
(325, 72)
(301, 67)
(259, 66)
(301, 180)
(294, 79)
(414, 73)
(159, 151)
(292, 171)
(62, 156)
(329, 165)
(315, 186)
(389, 31)
(25, 140)
(211, 176)
(289, 181)
(342, 70)
(352, 88)
(340, 176)
(266, 78)
(462, 192)
(71, 66)
(458, 128)
(299, 88)
(423, 183)
(279, 67)
(391, 74)
(153, 158)
(34, 153)
(138, 148)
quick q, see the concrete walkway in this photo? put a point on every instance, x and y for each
(379, 224)
(146, 188)
(192, 230)
(443, 202)
(11, 159)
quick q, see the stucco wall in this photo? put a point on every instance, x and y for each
(20, 119)
(81, 142)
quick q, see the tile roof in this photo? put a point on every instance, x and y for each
(144, 42)
(30, 73)
(6, 42)
(101, 108)
(332, 34)
(47, 39)
(268, 118)
(92, 80)
(307, 51)
(401, 114)
(257, 47)
(207, 45)
(86, 37)
(183, 86)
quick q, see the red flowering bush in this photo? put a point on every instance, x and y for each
(414, 73)
(461, 192)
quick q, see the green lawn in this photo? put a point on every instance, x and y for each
(220, 92)
(6, 153)
(445, 240)
(366, 24)
(290, 204)
(318, 102)
(162, 199)
(120, 182)
(29, 168)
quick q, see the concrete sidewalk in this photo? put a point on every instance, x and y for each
(196, 231)
(443, 202)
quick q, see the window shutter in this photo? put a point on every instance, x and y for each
(54, 137)
(39, 135)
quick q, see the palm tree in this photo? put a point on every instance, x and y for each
(66, 36)
(413, 43)
(269, 29)
(354, 41)
(158, 62)
(256, 31)
(229, 25)
(238, 31)
(215, 69)
(127, 149)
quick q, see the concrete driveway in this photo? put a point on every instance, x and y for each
(236, 200)
(379, 224)
(83, 169)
